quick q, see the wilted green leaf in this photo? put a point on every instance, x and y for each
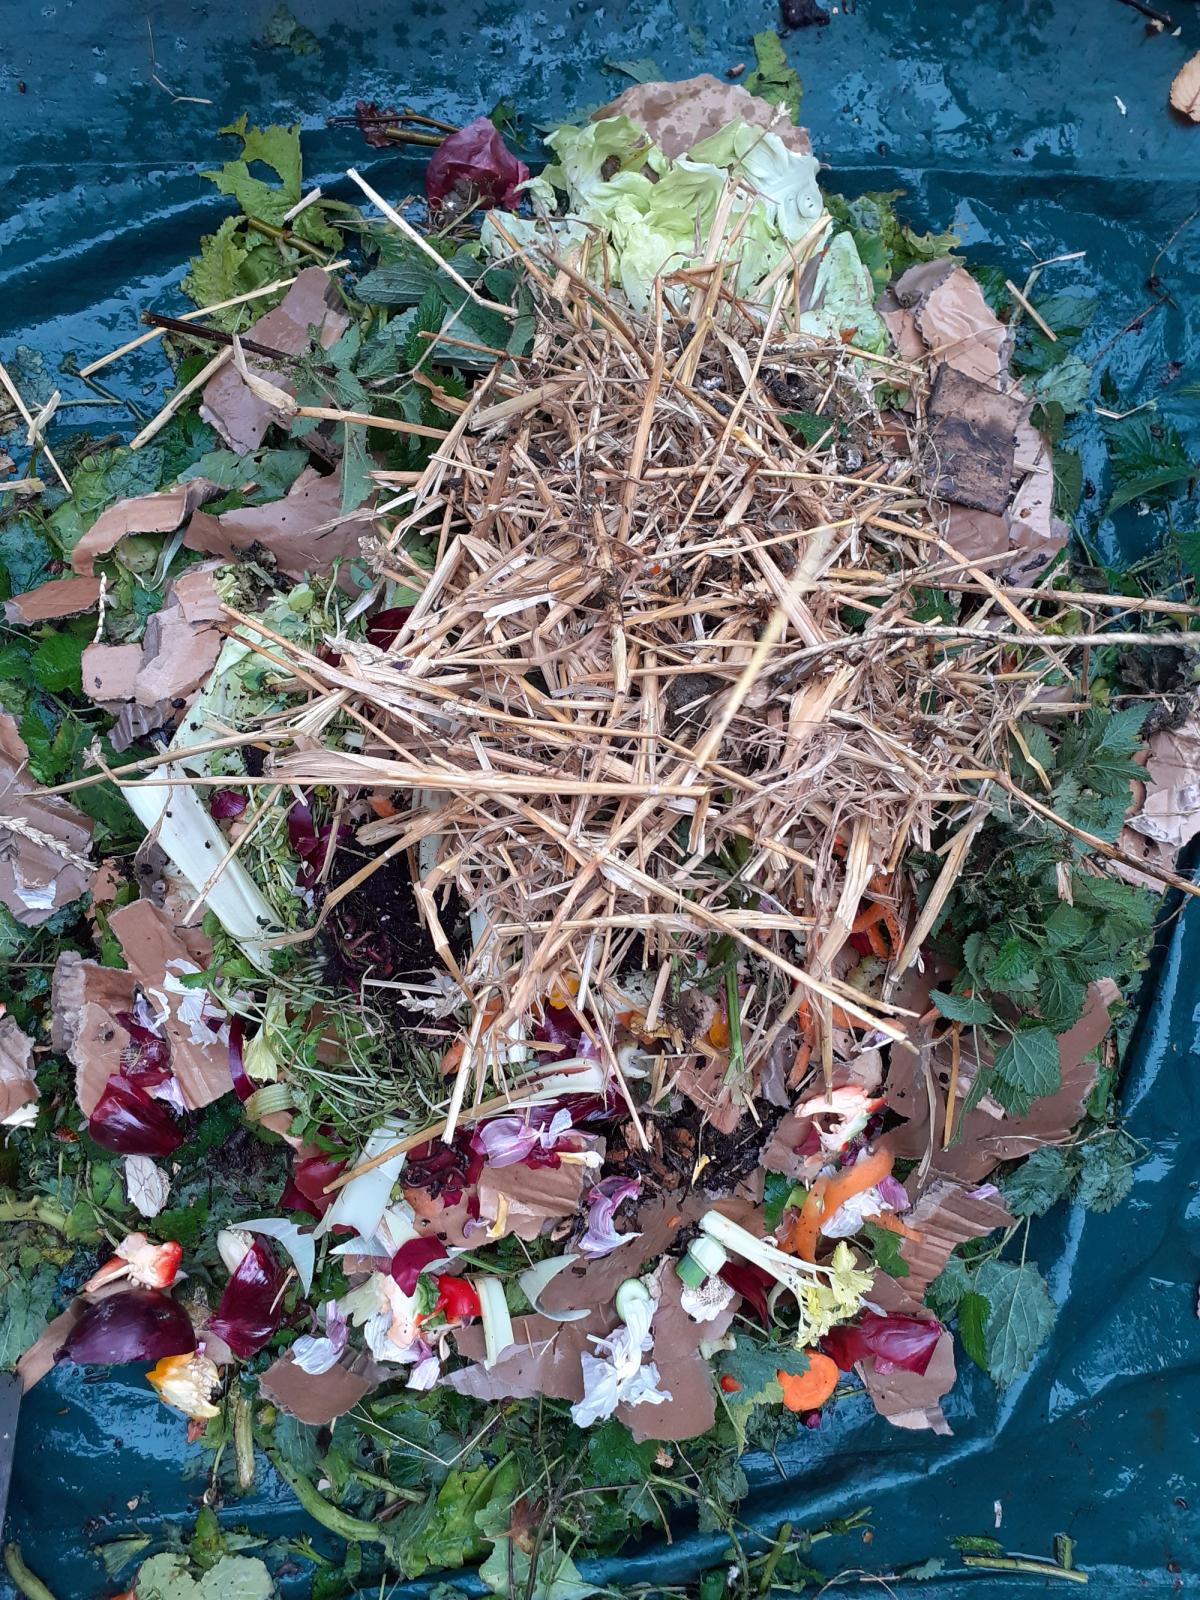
(772, 79)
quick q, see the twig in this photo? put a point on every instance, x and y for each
(15, 397)
(1160, 17)
(159, 422)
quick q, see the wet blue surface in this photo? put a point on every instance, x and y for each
(1000, 117)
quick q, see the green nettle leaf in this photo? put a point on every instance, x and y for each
(1013, 965)
(973, 1313)
(1060, 999)
(1068, 481)
(25, 555)
(885, 1247)
(56, 663)
(1021, 1316)
(947, 1289)
(754, 1366)
(1187, 546)
(977, 1544)
(1106, 1170)
(1029, 1061)
(961, 1007)
(26, 1305)
(772, 79)
(614, 1458)
(1066, 383)
(1068, 314)
(1038, 1183)
(1147, 458)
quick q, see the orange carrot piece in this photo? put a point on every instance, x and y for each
(894, 1224)
(826, 1195)
(805, 1391)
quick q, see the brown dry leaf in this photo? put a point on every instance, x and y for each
(304, 531)
(703, 1083)
(18, 1087)
(976, 534)
(682, 1370)
(43, 840)
(38, 1360)
(229, 404)
(87, 997)
(679, 115)
(319, 1398)
(148, 513)
(525, 1198)
(61, 597)
(1185, 89)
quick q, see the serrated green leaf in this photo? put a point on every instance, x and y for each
(948, 1288)
(1068, 481)
(977, 1544)
(26, 1305)
(1060, 998)
(644, 70)
(973, 1313)
(614, 1458)
(753, 1366)
(1029, 1061)
(961, 1007)
(1020, 1318)
(1147, 458)
(1105, 1170)
(1066, 383)
(885, 1247)
(55, 663)
(1040, 1181)
(25, 555)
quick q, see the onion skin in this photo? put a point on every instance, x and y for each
(897, 1343)
(251, 1308)
(127, 1120)
(137, 1325)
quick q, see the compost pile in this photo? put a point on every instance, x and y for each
(639, 870)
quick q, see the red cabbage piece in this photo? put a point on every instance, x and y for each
(127, 1120)
(136, 1325)
(476, 164)
(752, 1283)
(897, 1342)
(385, 625)
(252, 1306)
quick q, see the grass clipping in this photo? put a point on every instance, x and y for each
(667, 682)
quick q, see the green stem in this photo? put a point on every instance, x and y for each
(329, 1516)
(774, 1557)
(733, 1004)
(1040, 1569)
(374, 1480)
(30, 1586)
(48, 1212)
(303, 245)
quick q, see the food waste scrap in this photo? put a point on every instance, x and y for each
(577, 834)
